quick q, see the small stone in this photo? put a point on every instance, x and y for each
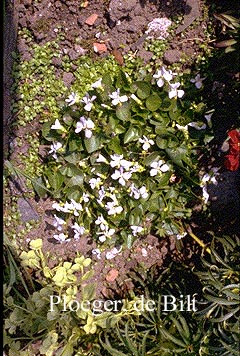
(79, 49)
(26, 210)
(145, 55)
(73, 9)
(112, 275)
(91, 19)
(73, 54)
(99, 47)
(27, 2)
(68, 78)
(172, 56)
(22, 22)
(26, 56)
(57, 61)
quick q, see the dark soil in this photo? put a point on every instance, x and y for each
(120, 25)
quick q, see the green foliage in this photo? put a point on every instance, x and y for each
(233, 30)
(157, 331)
(97, 137)
(220, 310)
(212, 330)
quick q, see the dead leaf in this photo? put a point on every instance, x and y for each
(118, 56)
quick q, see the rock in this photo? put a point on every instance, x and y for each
(26, 56)
(22, 22)
(68, 78)
(121, 8)
(73, 9)
(99, 47)
(27, 2)
(145, 55)
(26, 210)
(79, 49)
(56, 61)
(22, 46)
(172, 56)
(91, 19)
(73, 54)
(138, 22)
(112, 275)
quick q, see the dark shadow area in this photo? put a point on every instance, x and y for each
(221, 93)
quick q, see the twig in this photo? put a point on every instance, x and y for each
(200, 242)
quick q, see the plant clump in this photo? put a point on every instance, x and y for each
(119, 163)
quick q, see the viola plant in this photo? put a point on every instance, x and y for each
(119, 163)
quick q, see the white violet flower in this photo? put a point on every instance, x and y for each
(101, 194)
(72, 207)
(174, 91)
(101, 159)
(113, 253)
(208, 117)
(138, 193)
(106, 234)
(102, 223)
(85, 197)
(118, 161)
(136, 229)
(57, 126)
(147, 143)
(163, 74)
(121, 176)
(182, 128)
(97, 252)
(88, 101)
(95, 182)
(76, 207)
(158, 167)
(61, 238)
(78, 231)
(197, 126)
(116, 98)
(72, 99)
(197, 81)
(58, 223)
(54, 148)
(56, 206)
(85, 124)
(97, 84)
(113, 208)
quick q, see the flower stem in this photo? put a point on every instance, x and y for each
(200, 242)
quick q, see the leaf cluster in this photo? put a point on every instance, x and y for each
(118, 130)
